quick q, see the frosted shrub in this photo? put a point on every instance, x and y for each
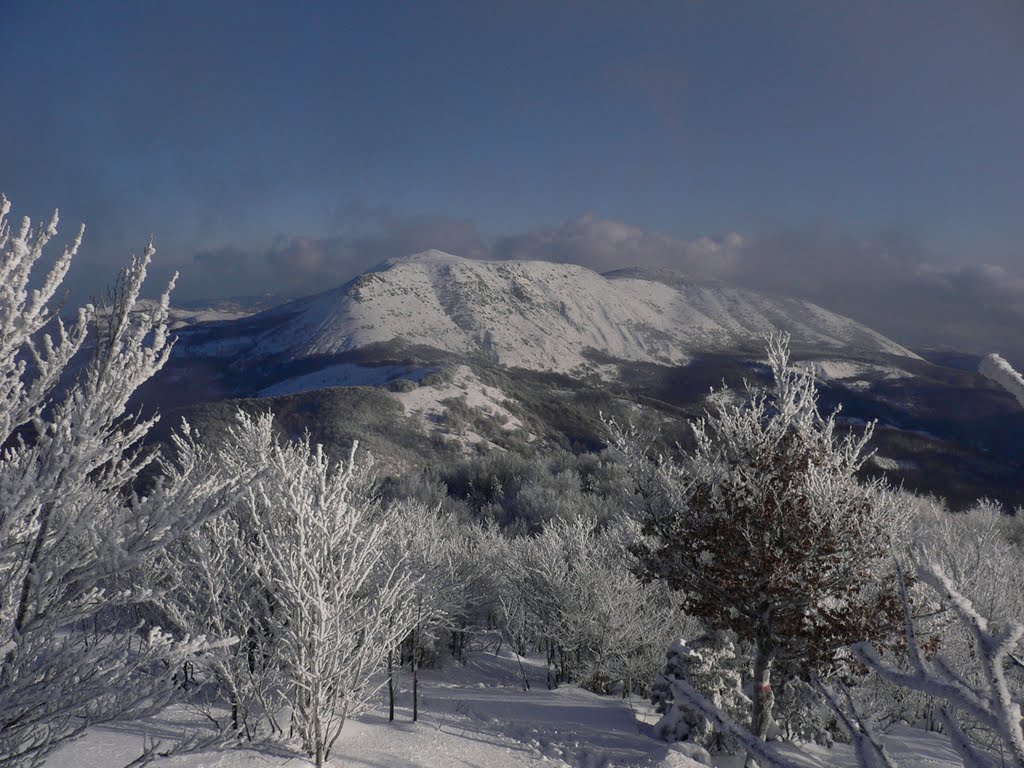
(710, 665)
(801, 714)
(975, 548)
(601, 626)
(210, 584)
(453, 574)
(522, 494)
(985, 694)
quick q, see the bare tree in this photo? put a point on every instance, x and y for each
(325, 602)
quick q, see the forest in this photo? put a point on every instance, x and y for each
(754, 587)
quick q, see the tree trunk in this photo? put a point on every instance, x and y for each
(415, 688)
(391, 685)
(318, 735)
(416, 660)
(764, 697)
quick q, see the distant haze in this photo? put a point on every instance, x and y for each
(866, 155)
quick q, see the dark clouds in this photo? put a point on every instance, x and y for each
(604, 245)
(890, 282)
(214, 126)
(895, 285)
(300, 265)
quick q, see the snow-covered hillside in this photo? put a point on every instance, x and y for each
(179, 316)
(531, 314)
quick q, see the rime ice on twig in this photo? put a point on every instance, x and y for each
(990, 703)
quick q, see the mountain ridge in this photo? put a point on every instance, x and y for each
(536, 315)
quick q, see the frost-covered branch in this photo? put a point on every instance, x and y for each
(755, 746)
(867, 743)
(31, 362)
(73, 530)
(989, 702)
(1002, 373)
(299, 571)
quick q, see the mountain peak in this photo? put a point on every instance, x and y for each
(545, 316)
(431, 255)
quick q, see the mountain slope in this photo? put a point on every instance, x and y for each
(530, 314)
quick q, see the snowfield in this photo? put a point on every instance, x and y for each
(426, 404)
(847, 370)
(479, 716)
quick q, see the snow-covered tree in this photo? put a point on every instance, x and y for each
(209, 584)
(977, 695)
(710, 665)
(324, 602)
(767, 531)
(454, 579)
(602, 626)
(72, 528)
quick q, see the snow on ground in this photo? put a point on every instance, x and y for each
(843, 370)
(344, 375)
(426, 403)
(479, 716)
(891, 465)
(179, 317)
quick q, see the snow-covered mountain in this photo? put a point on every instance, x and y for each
(531, 314)
(433, 350)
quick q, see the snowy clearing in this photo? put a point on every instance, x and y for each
(844, 370)
(426, 403)
(479, 716)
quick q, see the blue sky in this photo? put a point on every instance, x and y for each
(274, 130)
